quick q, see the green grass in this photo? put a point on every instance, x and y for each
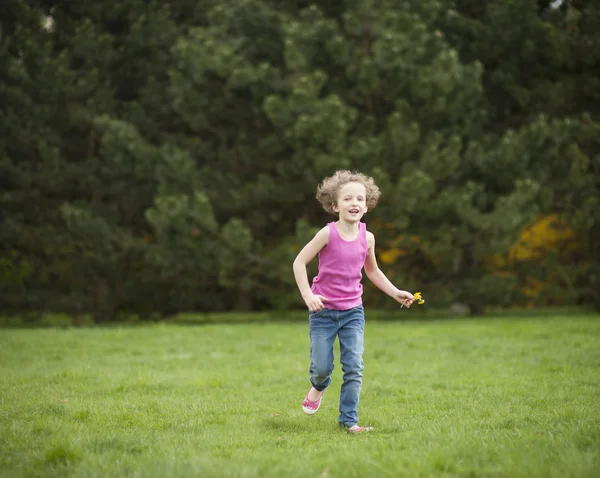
(511, 397)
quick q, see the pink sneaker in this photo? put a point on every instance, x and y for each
(310, 408)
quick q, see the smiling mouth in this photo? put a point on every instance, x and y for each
(354, 211)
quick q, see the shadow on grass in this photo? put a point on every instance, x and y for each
(289, 425)
(391, 315)
(49, 320)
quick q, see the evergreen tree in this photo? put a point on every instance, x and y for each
(542, 71)
(159, 156)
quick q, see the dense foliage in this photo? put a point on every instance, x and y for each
(161, 156)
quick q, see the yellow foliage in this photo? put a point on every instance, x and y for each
(547, 234)
(391, 255)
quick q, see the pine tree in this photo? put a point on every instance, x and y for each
(542, 71)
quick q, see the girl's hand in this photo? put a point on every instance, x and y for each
(405, 298)
(314, 302)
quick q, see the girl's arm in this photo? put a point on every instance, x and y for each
(378, 278)
(307, 254)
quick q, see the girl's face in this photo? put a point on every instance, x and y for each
(351, 203)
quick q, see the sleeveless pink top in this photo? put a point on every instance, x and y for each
(340, 269)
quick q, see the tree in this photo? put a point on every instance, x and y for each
(541, 67)
(163, 156)
(86, 196)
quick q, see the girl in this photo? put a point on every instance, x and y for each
(344, 248)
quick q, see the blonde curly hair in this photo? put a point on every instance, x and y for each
(329, 189)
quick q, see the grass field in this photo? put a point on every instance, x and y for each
(512, 397)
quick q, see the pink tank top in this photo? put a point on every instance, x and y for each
(340, 269)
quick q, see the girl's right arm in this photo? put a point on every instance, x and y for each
(307, 254)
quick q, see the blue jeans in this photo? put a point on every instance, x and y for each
(349, 326)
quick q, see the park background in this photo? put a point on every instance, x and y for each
(158, 168)
(162, 157)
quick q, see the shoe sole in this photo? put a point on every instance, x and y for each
(358, 432)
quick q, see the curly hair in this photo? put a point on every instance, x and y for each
(328, 190)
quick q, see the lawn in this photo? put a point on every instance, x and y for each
(511, 397)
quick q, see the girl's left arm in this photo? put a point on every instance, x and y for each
(376, 275)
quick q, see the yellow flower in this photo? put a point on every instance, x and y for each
(418, 298)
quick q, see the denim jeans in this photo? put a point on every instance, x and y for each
(349, 326)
